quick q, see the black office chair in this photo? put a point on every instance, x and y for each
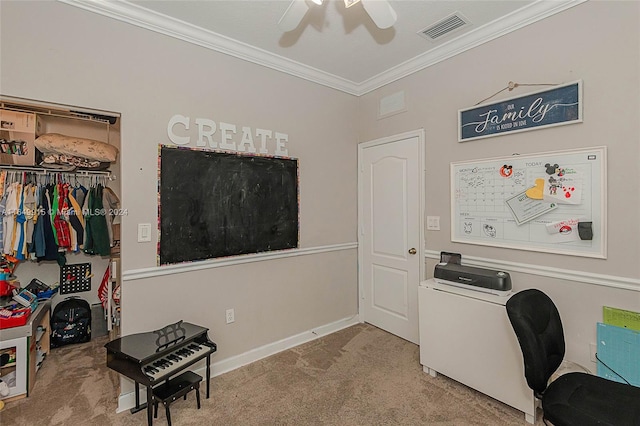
(578, 399)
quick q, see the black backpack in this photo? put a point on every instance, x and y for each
(70, 322)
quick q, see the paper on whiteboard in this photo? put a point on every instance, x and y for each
(564, 187)
(564, 230)
(525, 209)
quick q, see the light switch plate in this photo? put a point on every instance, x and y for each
(144, 232)
(433, 223)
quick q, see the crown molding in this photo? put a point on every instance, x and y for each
(144, 18)
(520, 18)
(135, 15)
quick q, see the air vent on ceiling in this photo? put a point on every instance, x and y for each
(445, 26)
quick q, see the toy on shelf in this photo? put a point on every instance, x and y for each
(26, 299)
(8, 281)
(41, 290)
(14, 316)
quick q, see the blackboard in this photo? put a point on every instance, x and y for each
(494, 202)
(217, 204)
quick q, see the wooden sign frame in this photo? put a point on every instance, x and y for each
(558, 106)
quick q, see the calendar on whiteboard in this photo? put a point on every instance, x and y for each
(551, 202)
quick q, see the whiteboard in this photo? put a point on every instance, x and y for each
(553, 202)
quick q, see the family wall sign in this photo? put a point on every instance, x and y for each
(553, 107)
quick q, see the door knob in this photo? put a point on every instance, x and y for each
(412, 251)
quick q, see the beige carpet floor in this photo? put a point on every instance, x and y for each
(358, 376)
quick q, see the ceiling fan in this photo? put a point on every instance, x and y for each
(380, 11)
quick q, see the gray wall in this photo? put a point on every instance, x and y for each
(559, 49)
(54, 52)
(58, 53)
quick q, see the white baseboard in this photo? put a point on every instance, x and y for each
(128, 400)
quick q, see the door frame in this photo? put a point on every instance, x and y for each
(420, 134)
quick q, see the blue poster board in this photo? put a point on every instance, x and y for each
(553, 107)
(619, 349)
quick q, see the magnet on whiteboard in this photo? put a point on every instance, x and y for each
(585, 230)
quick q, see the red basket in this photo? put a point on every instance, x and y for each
(18, 317)
(5, 288)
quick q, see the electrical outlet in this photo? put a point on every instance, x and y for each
(231, 316)
(592, 352)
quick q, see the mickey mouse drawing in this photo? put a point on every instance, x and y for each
(553, 185)
(551, 170)
(506, 171)
(555, 169)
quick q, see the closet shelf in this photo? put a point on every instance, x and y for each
(44, 171)
(55, 110)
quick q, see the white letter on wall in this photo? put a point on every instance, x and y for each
(178, 140)
(224, 128)
(263, 134)
(202, 133)
(281, 138)
(247, 139)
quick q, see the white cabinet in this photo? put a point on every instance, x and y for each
(466, 335)
(14, 373)
(26, 346)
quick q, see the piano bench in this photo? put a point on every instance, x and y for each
(173, 389)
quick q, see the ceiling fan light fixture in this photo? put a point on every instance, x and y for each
(293, 15)
(381, 13)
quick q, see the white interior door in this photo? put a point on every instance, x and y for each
(391, 237)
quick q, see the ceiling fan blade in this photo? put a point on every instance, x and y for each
(381, 12)
(293, 15)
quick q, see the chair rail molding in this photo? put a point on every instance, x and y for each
(136, 274)
(612, 281)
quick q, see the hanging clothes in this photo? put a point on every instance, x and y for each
(76, 220)
(31, 214)
(38, 244)
(20, 243)
(111, 203)
(3, 180)
(79, 193)
(50, 245)
(52, 192)
(9, 220)
(42, 219)
(97, 233)
(60, 223)
(3, 208)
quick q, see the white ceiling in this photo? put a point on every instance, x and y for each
(334, 46)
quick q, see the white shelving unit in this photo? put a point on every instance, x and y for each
(31, 345)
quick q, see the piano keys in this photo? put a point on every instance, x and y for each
(174, 361)
(151, 358)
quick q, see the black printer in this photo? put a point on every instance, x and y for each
(479, 279)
